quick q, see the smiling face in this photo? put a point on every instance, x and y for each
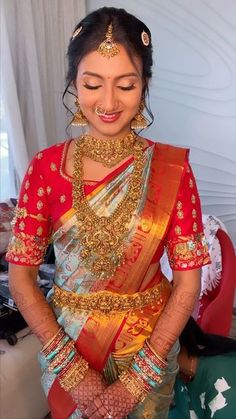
(114, 85)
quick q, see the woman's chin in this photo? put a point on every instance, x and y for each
(109, 130)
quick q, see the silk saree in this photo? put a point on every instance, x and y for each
(109, 319)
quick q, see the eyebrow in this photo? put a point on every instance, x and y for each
(90, 73)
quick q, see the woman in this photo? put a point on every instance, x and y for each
(206, 385)
(109, 201)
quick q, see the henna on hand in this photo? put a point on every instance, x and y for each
(37, 312)
(89, 388)
(117, 401)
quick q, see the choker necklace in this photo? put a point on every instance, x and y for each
(103, 239)
(108, 152)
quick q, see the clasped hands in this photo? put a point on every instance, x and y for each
(97, 400)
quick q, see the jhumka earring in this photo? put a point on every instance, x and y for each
(139, 121)
(79, 119)
(108, 48)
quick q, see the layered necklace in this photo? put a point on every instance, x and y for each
(103, 239)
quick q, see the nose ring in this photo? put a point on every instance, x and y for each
(100, 111)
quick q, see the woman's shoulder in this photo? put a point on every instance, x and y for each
(53, 150)
(49, 159)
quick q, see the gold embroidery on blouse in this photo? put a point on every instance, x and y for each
(39, 205)
(25, 198)
(180, 214)
(194, 227)
(179, 205)
(62, 199)
(39, 155)
(21, 212)
(178, 230)
(49, 190)
(27, 184)
(40, 231)
(53, 167)
(22, 225)
(188, 251)
(106, 302)
(27, 248)
(30, 170)
(41, 191)
(193, 199)
(191, 183)
(194, 213)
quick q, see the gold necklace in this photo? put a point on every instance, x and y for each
(110, 151)
(103, 238)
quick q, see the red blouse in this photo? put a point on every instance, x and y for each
(46, 194)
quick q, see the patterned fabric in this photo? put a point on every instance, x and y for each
(185, 244)
(45, 214)
(211, 394)
(46, 194)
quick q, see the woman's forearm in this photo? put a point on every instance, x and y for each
(31, 302)
(177, 311)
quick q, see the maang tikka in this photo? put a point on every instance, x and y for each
(79, 120)
(139, 121)
(108, 48)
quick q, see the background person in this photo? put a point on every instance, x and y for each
(206, 385)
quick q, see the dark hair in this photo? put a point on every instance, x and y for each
(200, 343)
(127, 30)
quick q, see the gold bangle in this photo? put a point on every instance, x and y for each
(51, 340)
(74, 374)
(133, 386)
(62, 356)
(154, 353)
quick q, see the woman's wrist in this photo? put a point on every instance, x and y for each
(63, 360)
(145, 373)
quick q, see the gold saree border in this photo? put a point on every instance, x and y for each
(167, 168)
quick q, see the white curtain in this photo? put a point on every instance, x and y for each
(36, 37)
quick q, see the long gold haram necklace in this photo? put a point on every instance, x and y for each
(103, 238)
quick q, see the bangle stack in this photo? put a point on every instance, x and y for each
(64, 361)
(145, 374)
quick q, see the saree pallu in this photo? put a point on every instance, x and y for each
(110, 319)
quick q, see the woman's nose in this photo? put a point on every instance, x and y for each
(109, 100)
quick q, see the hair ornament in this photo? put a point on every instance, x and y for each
(76, 32)
(145, 38)
(108, 48)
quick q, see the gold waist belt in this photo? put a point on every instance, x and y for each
(107, 302)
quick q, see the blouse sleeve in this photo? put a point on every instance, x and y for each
(31, 224)
(185, 243)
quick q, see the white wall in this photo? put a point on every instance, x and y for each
(193, 92)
